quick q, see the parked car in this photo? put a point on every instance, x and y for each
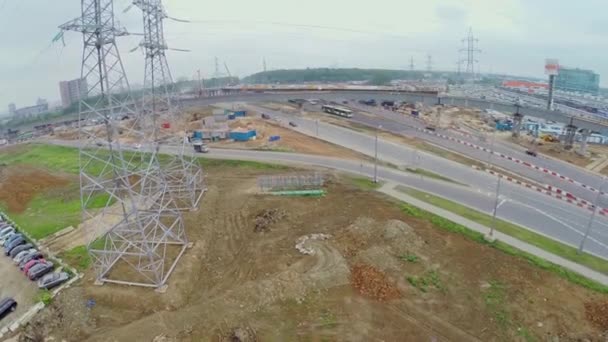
(6, 237)
(265, 116)
(14, 244)
(40, 270)
(4, 225)
(28, 266)
(430, 128)
(293, 124)
(531, 153)
(52, 280)
(19, 257)
(7, 306)
(18, 241)
(5, 231)
(13, 253)
(34, 256)
(11, 239)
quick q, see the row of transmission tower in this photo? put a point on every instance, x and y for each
(142, 193)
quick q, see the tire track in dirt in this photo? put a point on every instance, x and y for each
(326, 268)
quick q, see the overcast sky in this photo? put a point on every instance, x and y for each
(515, 35)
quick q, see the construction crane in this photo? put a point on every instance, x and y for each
(230, 82)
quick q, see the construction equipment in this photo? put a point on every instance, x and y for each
(200, 147)
(197, 142)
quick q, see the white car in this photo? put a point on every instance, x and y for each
(19, 257)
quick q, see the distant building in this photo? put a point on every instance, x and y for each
(12, 109)
(41, 107)
(72, 91)
(577, 80)
(526, 86)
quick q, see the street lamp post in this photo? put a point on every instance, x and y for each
(493, 226)
(491, 151)
(376, 155)
(592, 218)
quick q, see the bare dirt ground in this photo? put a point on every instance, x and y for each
(19, 185)
(290, 141)
(379, 274)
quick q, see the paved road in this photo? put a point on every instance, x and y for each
(15, 284)
(401, 124)
(539, 212)
(546, 215)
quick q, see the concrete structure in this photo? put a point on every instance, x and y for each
(12, 108)
(41, 107)
(72, 91)
(577, 80)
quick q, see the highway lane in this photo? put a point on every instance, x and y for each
(543, 213)
(401, 124)
(545, 217)
(398, 123)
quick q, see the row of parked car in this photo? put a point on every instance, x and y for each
(29, 260)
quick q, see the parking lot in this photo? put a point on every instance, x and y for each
(15, 284)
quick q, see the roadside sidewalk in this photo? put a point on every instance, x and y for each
(389, 189)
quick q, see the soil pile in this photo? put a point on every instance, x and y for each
(267, 217)
(597, 314)
(370, 282)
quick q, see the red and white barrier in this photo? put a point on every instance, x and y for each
(549, 191)
(515, 160)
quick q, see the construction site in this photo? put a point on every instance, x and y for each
(340, 217)
(351, 265)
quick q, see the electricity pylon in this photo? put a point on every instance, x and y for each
(183, 173)
(139, 225)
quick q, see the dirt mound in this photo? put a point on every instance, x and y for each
(370, 282)
(20, 185)
(597, 314)
(240, 335)
(267, 217)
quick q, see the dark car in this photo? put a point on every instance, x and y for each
(13, 244)
(430, 128)
(52, 280)
(531, 153)
(7, 306)
(265, 116)
(33, 256)
(39, 270)
(293, 124)
(11, 239)
(13, 253)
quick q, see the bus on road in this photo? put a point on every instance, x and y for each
(343, 112)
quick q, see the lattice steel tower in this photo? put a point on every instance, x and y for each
(470, 48)
(138, 234)
(184, 174)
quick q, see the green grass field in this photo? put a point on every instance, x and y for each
(514, 230)
(364, 183)
(48, 213)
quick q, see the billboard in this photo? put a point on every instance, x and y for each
(551, 66)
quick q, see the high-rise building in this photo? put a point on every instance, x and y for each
(12, 108)
(577, 80)
(72, 91)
